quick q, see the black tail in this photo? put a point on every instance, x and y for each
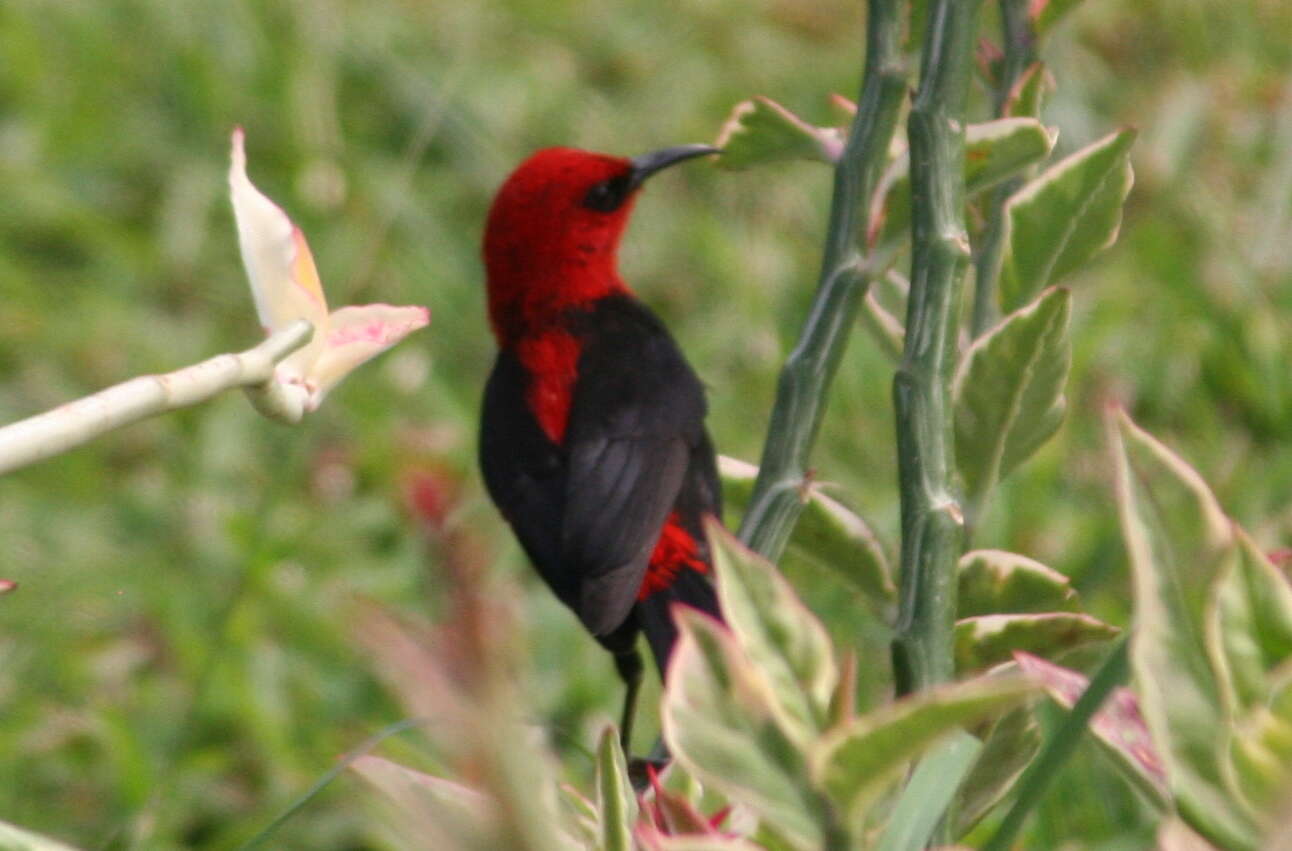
(701, 495)
(690, 588)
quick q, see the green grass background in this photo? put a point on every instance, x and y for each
(180, 662)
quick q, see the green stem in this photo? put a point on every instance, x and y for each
(1042, 770)
(1020, 52)
(932, 523)
(805, 379)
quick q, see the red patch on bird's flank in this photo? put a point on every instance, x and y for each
(552, 361)
(674, 550)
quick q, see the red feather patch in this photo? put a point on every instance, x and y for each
(674, 550)
(552, 360)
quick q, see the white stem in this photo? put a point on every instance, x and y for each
(67, 426)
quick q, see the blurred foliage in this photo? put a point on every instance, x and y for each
(179, 661)
(1212, 643)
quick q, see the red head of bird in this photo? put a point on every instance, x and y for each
(552, 237)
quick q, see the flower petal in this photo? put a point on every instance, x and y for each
(284, 281)
(357, 334)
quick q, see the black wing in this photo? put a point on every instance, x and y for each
(637, 415)
(524, 472)
(589, 513)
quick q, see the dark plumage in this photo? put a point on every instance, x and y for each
(592, 439)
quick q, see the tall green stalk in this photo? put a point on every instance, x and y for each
(844, 277)
(932, 521)
(1020, 52)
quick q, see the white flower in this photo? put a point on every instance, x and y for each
(285, 285)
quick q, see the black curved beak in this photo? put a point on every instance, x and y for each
(647, 164)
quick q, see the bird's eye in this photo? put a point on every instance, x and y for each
(607, 195)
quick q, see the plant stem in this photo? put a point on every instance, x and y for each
(68, 426)
(327, 777)
(1043, 769)
(932, 522)
(1020, 49)
(1020, 52)
(805, 378)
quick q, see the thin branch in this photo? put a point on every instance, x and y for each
(886, 329)
(53, 432)
(809, 369)
(932, 522)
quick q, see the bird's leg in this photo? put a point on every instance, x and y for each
(630, 668)
(629, 665)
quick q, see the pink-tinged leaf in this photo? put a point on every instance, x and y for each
(781, 637)
(994, 152)
(579, 816)
(857, 762)
(384, 773)
(828, 535)
(1280, 557)
(357, 334)
(1000, 582)
(1046, 13)
(284, 281)
(286, 288)
(673, 814)
(1174, 834)
(653, 839)
(1180, 543)
(720, 720)
(438, 812)
(988, 57)
(1118, 726)
(987, 640)
(761, 130)
(7, 585)
(1249, 626)
(843, 703)
(1260, 754)
(1029, 92)
(1065, 216)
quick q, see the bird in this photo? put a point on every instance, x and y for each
(592, 439)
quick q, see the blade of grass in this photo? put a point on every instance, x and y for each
(928, 793)
(327, 777)
(1038, 776)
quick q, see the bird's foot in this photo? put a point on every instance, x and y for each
(642, 769)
